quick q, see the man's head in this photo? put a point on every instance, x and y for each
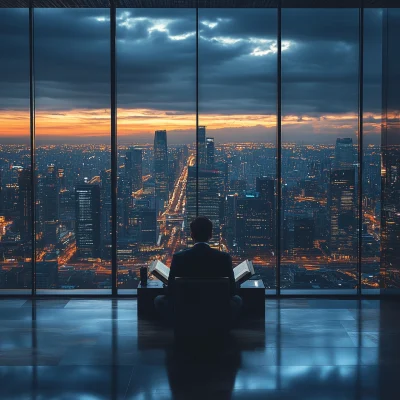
(201, 229)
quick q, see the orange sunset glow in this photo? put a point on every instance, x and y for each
(145, 121)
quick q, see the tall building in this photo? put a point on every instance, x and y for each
(208, 198)
(87, 228)
(161, 169)
(143, 223)
(47, 274)
(304, 233)
(106, 213)
(344, 153)
(67, 209)
(50, 194)
(201, 132)
(230, 219)
(253, 233)
(62, 182)
(210, 152)
(342, 208)
(265, 187)
(133, 169)
(24, 205)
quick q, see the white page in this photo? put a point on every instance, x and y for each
(240, 270)
(162, 269)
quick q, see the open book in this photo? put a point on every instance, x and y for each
(241, 272)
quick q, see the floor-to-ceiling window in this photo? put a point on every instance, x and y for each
(156, 103)
(390, 257)
(319, 149)
(371, 160)
(72, 80)
(237, 133)
(15, 154)
(161, 186)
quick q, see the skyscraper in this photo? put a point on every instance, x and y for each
(143, 223)
(344, 153)
(106, 213)
(252, 225)
(201, 132)
(342, 208)
(161, 169)
(208, 197)
(24, 205)
(87, 228)
(210, 153)
(230, 218)
(50, 205)
(133, 169)
(304, 233)
(265, 187)
(50, 194)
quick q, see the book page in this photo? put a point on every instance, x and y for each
(241, 270)
(160, 268)
(251, 267)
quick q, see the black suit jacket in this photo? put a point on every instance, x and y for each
(201, 261)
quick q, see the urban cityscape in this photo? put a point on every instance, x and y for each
(156, 200)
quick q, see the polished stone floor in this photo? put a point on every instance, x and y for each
(86, 349)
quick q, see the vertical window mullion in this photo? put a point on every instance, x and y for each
(32, 144)
(278, 153)
(114, 166)
(197, 111)
(360, 143)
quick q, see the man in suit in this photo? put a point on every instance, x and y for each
(200, 261)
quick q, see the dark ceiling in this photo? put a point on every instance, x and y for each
(201, 3)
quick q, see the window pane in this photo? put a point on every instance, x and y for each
(72, 71)
(15, 161)
(371, 196)
(391, 153)
(156, 69)
(319, 148)
(237, 117)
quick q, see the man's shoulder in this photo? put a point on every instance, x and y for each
(181, 253)
(192, 251)
(220, 254)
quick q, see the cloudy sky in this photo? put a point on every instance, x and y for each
(156, 69)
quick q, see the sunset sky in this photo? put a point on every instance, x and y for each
(156, 69)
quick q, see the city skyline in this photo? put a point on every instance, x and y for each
(236, 191)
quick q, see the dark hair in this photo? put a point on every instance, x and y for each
(201, 228)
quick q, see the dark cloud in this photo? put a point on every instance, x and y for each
(156, 60)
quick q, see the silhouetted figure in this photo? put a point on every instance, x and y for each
(200, 261)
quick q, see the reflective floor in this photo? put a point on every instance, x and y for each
(97, 349)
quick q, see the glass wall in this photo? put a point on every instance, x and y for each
(390, 270)
(371, 171)
(15, 159)
(72, 78)
(237, 134)
(156, 75)
(319, 149)
(158, 193)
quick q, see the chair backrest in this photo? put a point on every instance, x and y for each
(201, 305)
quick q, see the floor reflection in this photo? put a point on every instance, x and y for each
(97, 349)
